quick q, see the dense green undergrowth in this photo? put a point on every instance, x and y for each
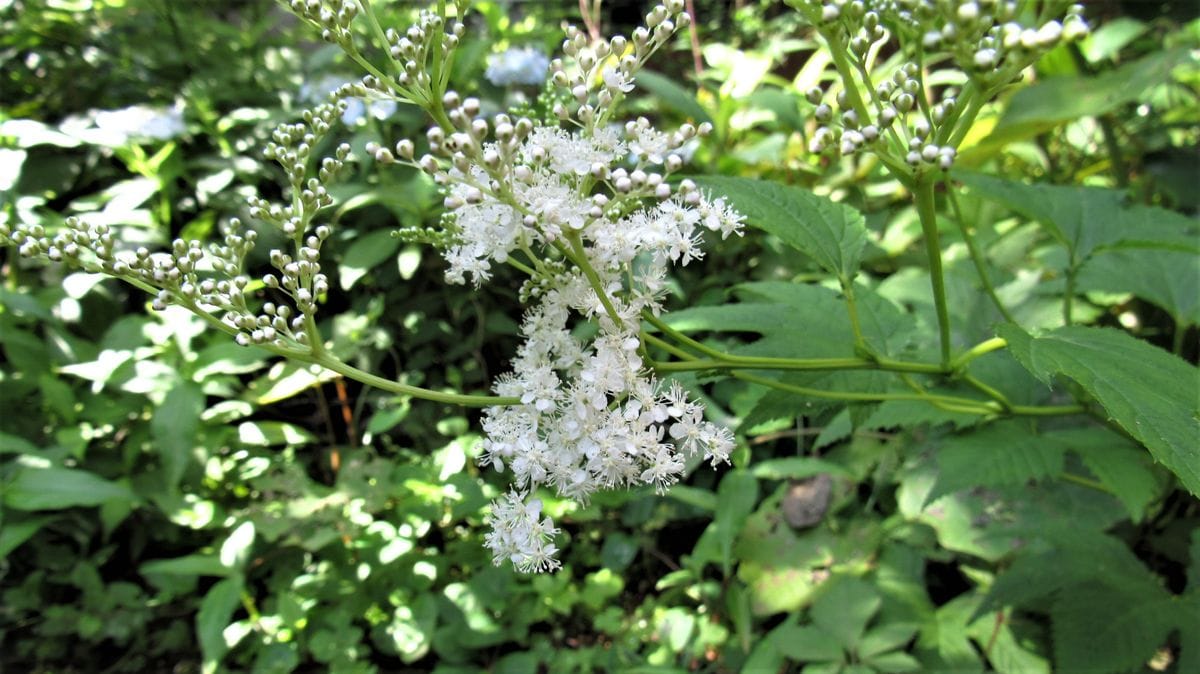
(995, 471)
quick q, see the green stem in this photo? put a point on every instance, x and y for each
(728, 361)
(669, 348)
(316, 343)
(976, 99)
(965, 404)
(1047, 410)
(860, 342)
(580, 259)
(350, 372)
(316, 355)
(380, 35)
(1181, 328)
(987, 390)
(1069, 293)
(977, 258)
(926, 210)
(982, 348)
(1080, 480)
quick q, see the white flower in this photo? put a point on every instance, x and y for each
(616, 80)
(646, 142)
(520, 535)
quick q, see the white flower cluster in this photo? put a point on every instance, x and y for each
(517, 65)
(598, 236)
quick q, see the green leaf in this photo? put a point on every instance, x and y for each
(844, 608)
(1062, 99)
(807, 643)
(1105, 41)
(412, 627)
(1002, 453)
(188, 565)
(697, 498)
(1102, 629)
(174, 427)
(1087, 218)
(1147, 391)
(1189, 632)
(736, 496)
(284, 380)
(267, 433)
(832, 234)
(893, 662)
(886, 638)
(1068, 556)
(1166, 278)
(795, 468)
(53, 488)
(14, 444)
(13, 534)
(1117, 463)
(227, 358)
(236, 548)
(1003, 639)
(912, 413)
(367, 252)
(673, 96)
(216, 611)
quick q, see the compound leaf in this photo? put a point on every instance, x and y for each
(1004, 453)
(1147, 391)
(832, 234)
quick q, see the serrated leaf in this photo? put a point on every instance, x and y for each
(1087, 218)
(1166, 278)
(844, 608)
(1118, 464)
(832, 234)
(1147, 391)
(1103, 629)
(1003, 638)
(174, 427)
(911, 413)
(800, 320)
(673, 96)
(1003, 453)
(367, 252)
(1069, 556)
(54, 488)
(216, 611)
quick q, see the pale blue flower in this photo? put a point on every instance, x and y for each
(524, 65)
